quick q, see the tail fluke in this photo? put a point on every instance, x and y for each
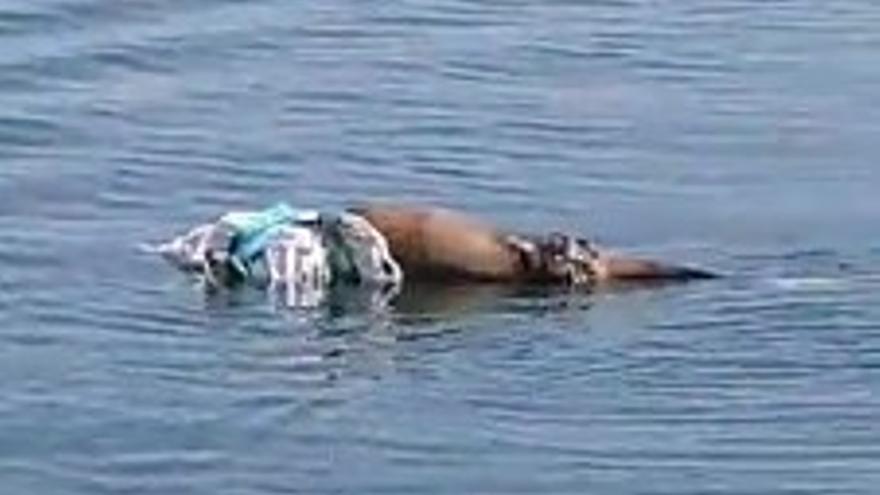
(619, 268)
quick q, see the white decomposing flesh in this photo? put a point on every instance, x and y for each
(296, 261)
(369, 250)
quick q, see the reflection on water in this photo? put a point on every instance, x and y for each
(733, 134)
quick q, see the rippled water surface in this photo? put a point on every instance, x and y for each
(738, 134)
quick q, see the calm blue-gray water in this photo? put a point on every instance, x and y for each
(738, 134)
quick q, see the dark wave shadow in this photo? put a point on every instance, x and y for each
(425, 301)
(415, 302)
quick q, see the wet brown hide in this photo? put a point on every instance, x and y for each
(433, 244)
(443, 245)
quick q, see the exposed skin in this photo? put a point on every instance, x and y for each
(441, 245)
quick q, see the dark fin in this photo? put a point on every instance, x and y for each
(633, 269)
